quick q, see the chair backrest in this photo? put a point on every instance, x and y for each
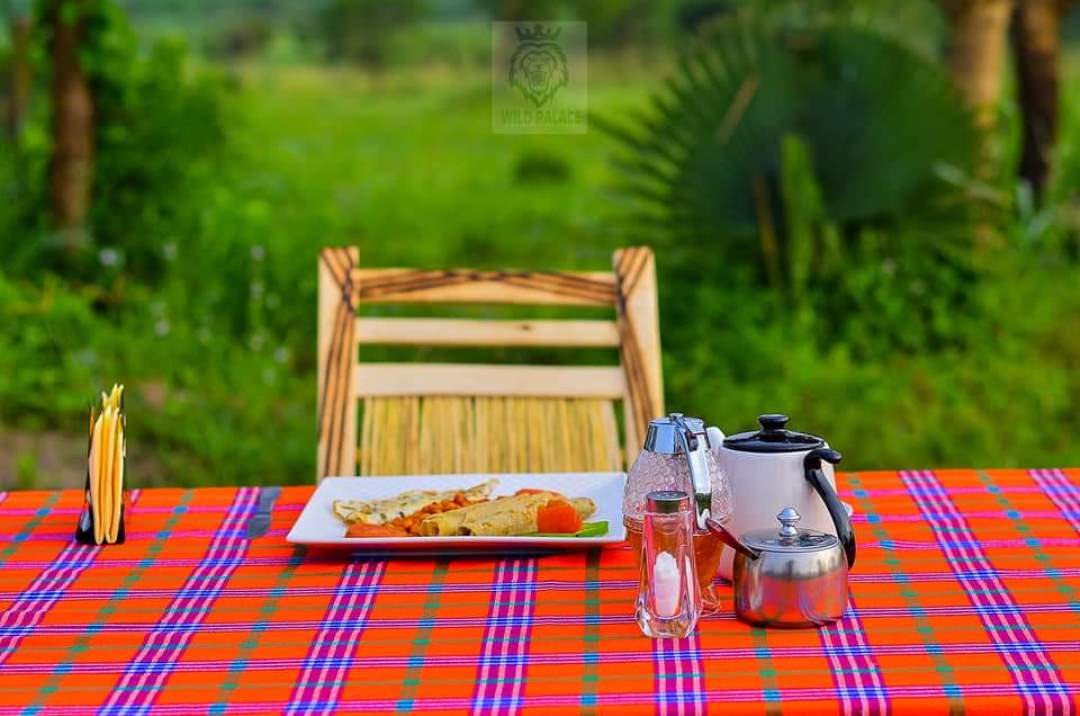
(497, 391)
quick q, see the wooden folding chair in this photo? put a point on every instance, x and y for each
(484, 418)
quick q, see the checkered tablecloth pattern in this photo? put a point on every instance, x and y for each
(966, 597)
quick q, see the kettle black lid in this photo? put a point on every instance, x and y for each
(773, 437)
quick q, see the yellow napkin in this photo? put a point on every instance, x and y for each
(106, 466)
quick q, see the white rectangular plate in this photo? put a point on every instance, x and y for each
(318, 526)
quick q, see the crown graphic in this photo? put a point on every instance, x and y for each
(538, 34)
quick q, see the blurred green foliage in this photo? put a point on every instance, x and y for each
(27, 473)
(811, 158)
(361, 31)
(837, 216)
(217, 184)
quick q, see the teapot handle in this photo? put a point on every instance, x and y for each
(816, 477)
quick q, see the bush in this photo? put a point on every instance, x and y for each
(811, 166)
(57, 346)
(539, 168)
(160, 150)
(987, 401)
(361, 31)
(815, 261)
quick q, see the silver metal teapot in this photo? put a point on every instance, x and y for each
(789, 577)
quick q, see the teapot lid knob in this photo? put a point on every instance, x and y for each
(773, 421)
(788, 517)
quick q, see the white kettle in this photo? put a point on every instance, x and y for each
(773, 468)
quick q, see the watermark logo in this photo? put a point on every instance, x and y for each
(538, 78)
(538, 66)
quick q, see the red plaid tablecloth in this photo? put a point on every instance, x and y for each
(966, 597)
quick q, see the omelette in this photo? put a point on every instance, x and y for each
(516, 515)
(381, 512)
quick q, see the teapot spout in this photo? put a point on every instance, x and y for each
(730, 540)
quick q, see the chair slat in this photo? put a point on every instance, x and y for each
(471, 379)
(485, 287)
(468, 332)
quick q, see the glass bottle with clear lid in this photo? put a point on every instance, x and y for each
(669, 597)
(677, 455)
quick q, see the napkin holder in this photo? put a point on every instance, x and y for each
(84, 530)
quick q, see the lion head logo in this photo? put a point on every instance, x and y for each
(538, 66)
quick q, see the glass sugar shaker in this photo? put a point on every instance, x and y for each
(669, 597)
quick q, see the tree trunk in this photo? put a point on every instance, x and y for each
(977, 62)
(19, 97)
(977, 59)
(71, 163)
(1037, 47)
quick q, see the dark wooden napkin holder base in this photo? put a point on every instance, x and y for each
(84, 530)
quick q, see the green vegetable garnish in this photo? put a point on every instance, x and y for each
(588, 529)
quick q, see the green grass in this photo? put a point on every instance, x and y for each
(408, 168)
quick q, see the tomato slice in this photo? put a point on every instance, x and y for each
(558, 516)
(359, 529)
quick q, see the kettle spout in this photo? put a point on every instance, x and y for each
(730, 540)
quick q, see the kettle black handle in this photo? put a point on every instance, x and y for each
(816, 477)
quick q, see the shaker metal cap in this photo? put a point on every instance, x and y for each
(662, 436)
(789, 538)
(666, 502)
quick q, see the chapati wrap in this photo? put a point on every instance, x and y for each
(380, 512)
(502, 517)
